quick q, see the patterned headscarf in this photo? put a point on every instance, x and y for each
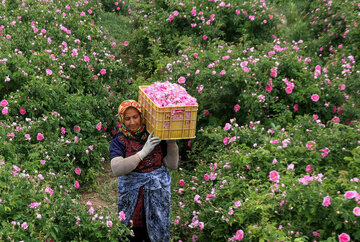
(140, 134)
(125, 105)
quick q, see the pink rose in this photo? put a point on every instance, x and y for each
(335, 119)
(206, 177)
(274, 176)
(4, 103)
(5, 111)
(77, 128)
(24, 225)
(40, 136)
(315, 97)
(181, 80)
(122, 216)
(326, 201)
(309, 169)
(344, 237)
(239, 235)
(109, 223)
(296, 107)
(77, 171)
(356, 211)
(49, 72)
(227, 126)
(350, 194)
(311, 145)
(102, 71)
(49, 190)
(22, 111)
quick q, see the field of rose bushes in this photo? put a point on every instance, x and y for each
(277, 152)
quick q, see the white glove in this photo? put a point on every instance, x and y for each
(149, 146)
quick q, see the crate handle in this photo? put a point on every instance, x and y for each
(177, 111)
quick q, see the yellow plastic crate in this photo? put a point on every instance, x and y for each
(168, 123)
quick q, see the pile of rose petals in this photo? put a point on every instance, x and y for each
(167, 94)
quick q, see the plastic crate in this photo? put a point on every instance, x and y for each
(168, 123)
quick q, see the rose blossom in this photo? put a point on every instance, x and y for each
(49, 190)
(237, 107)
(77, 171)
(24, 225)
(344, 237)
(4, 103)
(5, 111)
(227, 126)
(326, 201)
(315, 97)
(77, 128)
(40, 136)
(274, 176)
(22, 111)
(356, 211)
(122, 216)
(109, 223)
(181, 80)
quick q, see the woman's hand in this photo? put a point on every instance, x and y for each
(149, 146)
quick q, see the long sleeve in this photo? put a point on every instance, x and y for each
(171, 159)
(121, 166)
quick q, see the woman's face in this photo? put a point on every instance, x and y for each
(132, 119)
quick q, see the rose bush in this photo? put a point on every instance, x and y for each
(277, 150)
(161, 27)
(68, 72)
(45, 206)
(60, 87)
(282, 183)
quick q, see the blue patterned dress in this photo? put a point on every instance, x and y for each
(144, 194)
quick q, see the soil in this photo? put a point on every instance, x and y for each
(104, 182)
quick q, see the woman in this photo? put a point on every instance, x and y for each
(141, 161)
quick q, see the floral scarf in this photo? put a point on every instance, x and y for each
(140, 135)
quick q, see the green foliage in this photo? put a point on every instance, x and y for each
(41, 206)
(160, 28)
(290, 209)
(62, 84)
(66, 66)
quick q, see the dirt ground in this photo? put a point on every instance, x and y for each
(103, 194)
